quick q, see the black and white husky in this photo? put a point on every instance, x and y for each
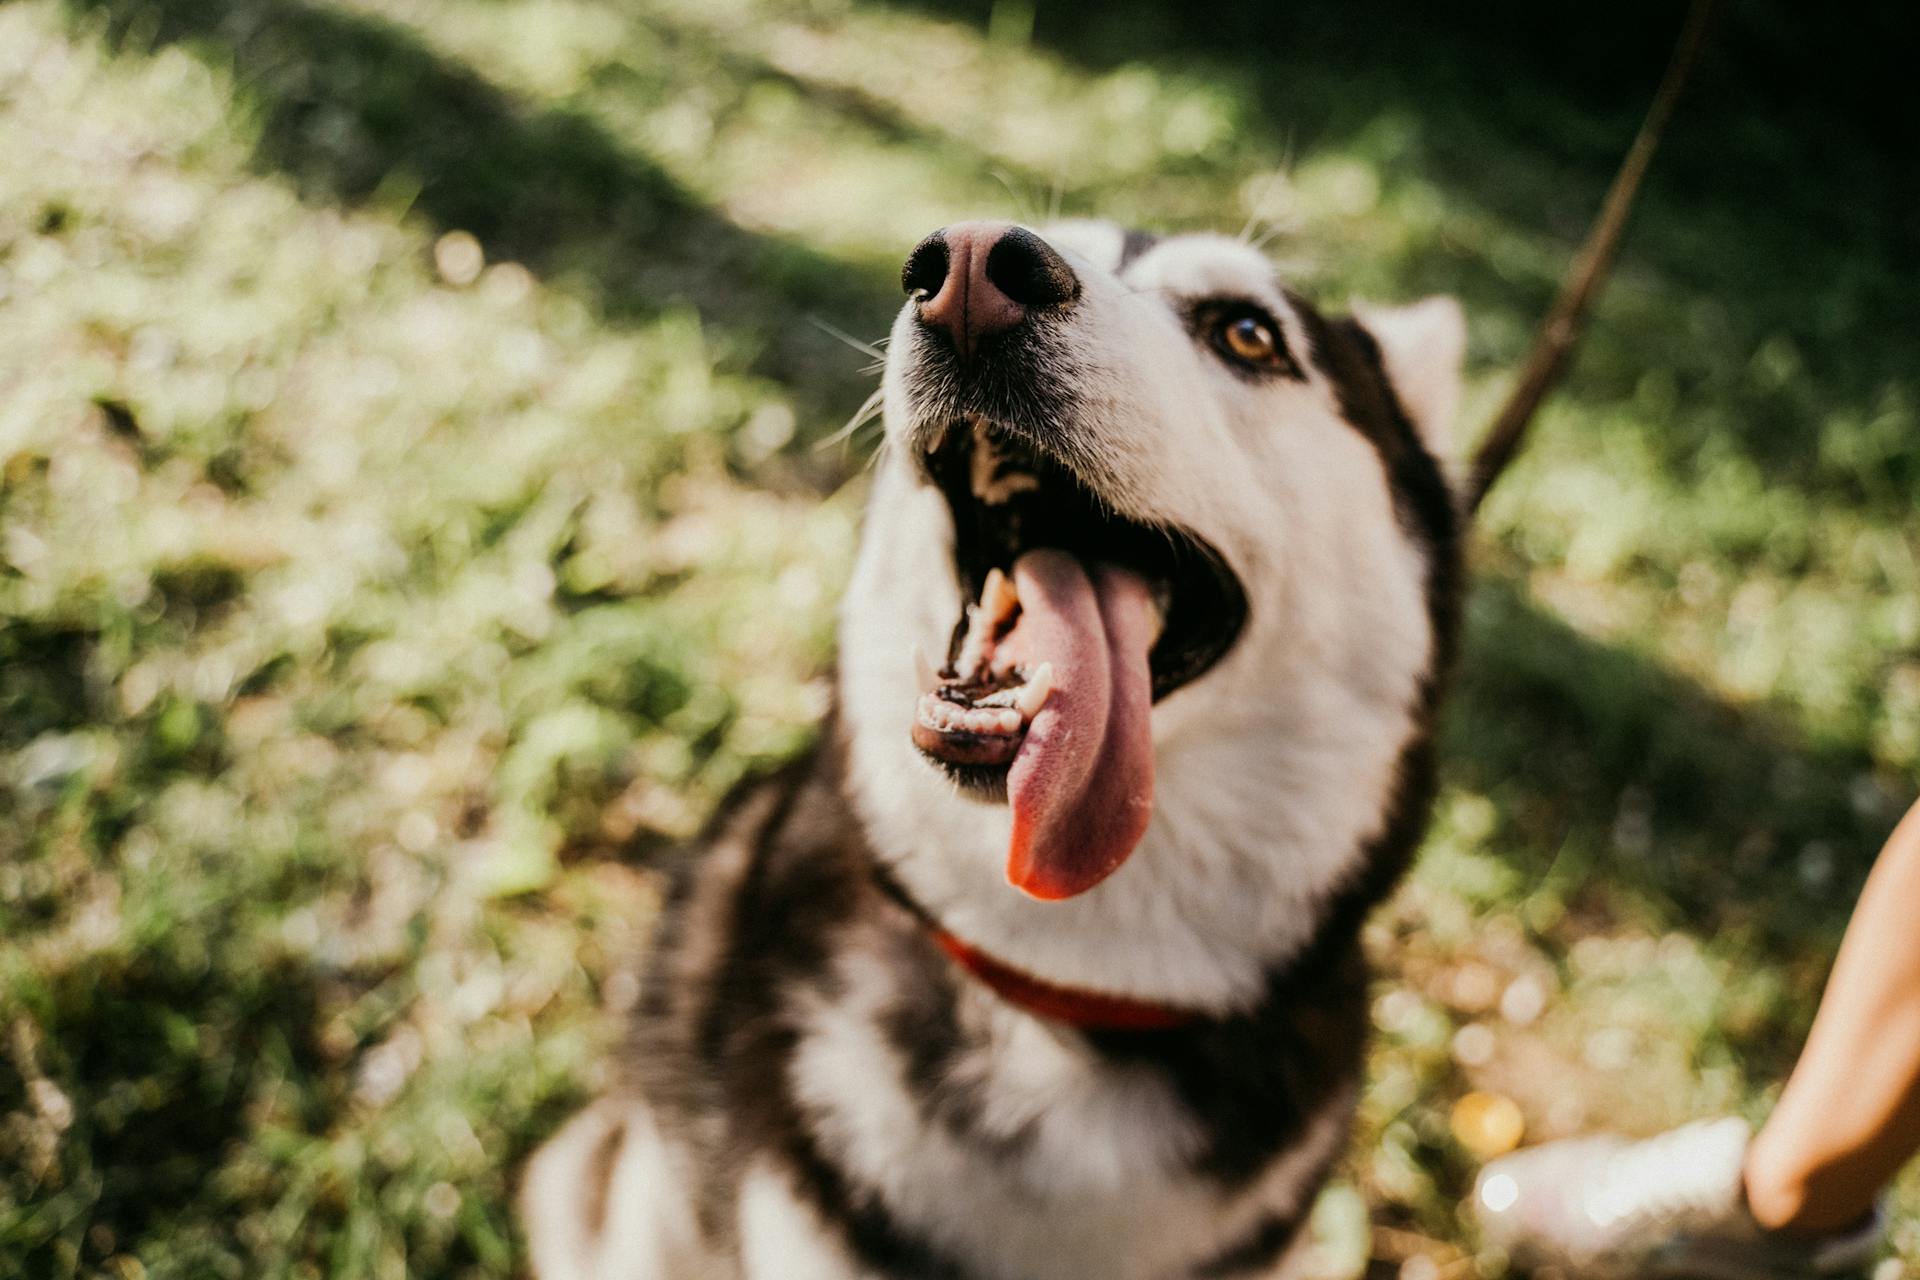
(1046, 963)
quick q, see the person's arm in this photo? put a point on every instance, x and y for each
(1850, 1115)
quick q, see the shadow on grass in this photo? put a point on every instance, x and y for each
(1781, 210)
(1720, 818)
(165, 1061)
(1517, 109)
(352, 107)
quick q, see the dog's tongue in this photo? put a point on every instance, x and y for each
(1081, 786)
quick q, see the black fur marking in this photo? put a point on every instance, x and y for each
(923, 1027)
(1134, 244)
(1257, 1254)
(1350, 359)
(1257, 1082)
(712, 1057)
(870, 1231)
(600, 1166)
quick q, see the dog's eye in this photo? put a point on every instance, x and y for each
(1251, 339)
(1245, 335)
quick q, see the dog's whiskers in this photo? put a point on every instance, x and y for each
(1006, 183)
(869, 409)
(834, 331)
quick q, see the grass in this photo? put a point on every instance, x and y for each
(414, 516)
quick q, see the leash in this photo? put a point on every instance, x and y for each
(1564, 321)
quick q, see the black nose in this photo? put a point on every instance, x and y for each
(978, 278)
(1026, 269)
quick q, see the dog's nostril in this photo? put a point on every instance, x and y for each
(1027, 270)
(926, 268)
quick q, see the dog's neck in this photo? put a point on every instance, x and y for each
(1079, 1007)
(1083, 1010)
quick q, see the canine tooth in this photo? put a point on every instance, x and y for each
(923, 673)
(998, 596)
(1033, 695)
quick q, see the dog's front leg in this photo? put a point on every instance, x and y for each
(606, 1199)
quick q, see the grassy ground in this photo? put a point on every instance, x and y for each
(414, 514)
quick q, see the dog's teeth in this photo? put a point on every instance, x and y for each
(998, 597)
(1033, 695)
(973, 650)
(938, 714)
(923, 674)
(988, 720)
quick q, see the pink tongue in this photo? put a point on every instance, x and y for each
(1081, 786)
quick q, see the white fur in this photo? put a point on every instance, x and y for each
(649, 1231)
(1094, 1187)
(1274, 769)
(1422, 344)
(781, 1238)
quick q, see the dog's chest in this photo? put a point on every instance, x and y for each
(1009, 1147)
(845, 1093)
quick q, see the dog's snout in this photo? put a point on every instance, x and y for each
(974, 279)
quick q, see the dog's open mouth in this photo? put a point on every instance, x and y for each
(1074, 621)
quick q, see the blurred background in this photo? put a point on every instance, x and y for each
(421, 498)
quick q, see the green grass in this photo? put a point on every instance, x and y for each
(417, 506)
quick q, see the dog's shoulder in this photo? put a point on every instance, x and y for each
(747, 919)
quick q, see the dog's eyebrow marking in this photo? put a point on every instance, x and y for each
(1132, 245)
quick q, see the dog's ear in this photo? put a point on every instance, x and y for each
(1422, 345)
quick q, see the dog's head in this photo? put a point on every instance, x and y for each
(1156, 582)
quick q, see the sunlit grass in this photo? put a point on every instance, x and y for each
(411, 521)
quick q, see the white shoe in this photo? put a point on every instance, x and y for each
(1672, 1207)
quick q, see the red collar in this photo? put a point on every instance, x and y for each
(1087, 1010)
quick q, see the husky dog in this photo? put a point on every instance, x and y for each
(1045, 965)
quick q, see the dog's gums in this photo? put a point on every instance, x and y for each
(985, 692)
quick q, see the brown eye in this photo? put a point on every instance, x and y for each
(1245, 336)
(1251, 339)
